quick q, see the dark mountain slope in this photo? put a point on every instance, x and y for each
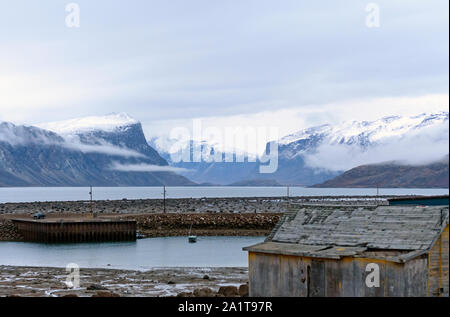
(392, 175)
(31, 156)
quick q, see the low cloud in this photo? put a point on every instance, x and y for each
(21, 135)
(103, 149)
(415, 149)
(146, 168)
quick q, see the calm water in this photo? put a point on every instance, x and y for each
(32, 194)
(140, 255)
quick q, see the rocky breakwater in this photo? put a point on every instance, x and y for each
(136, 206)
(183, 205)
(204, 224)
(8, 231)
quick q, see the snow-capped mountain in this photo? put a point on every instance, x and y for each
(353, 143)
(208, 170)
(316, 154)
(365, 132)
(111, 152)
(113, 134)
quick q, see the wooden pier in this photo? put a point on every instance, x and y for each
(85, 230)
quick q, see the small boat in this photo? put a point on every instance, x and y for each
(191, 238)
(139, 235)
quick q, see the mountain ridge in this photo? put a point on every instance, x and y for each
(303, 158)
(31, 156)
(393, 175)
(112, 150)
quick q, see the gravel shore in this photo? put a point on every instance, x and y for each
(51, 282)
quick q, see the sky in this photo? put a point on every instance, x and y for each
(288, 63)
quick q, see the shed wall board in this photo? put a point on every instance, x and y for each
(281, 275)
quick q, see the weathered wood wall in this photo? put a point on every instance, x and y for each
(438, 267)
(276, 275)
(79, 231)
(280, 275)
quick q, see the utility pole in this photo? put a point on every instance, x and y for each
(378, 193)
(164, 199)
(287, 197)
(91, 204)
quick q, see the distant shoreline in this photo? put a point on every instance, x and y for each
(152, 195)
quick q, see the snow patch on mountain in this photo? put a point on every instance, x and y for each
(110, 123)
(183, 150)
(305, 134)
(351, 132)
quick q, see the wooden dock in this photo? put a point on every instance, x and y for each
(80, 230)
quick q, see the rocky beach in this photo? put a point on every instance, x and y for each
(184, 282)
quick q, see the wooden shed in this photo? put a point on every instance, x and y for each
(351, 251)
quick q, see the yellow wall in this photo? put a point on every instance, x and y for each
(438, 267)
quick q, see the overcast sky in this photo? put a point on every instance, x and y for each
(285, 63)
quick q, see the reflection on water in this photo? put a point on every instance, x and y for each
(140, 255)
